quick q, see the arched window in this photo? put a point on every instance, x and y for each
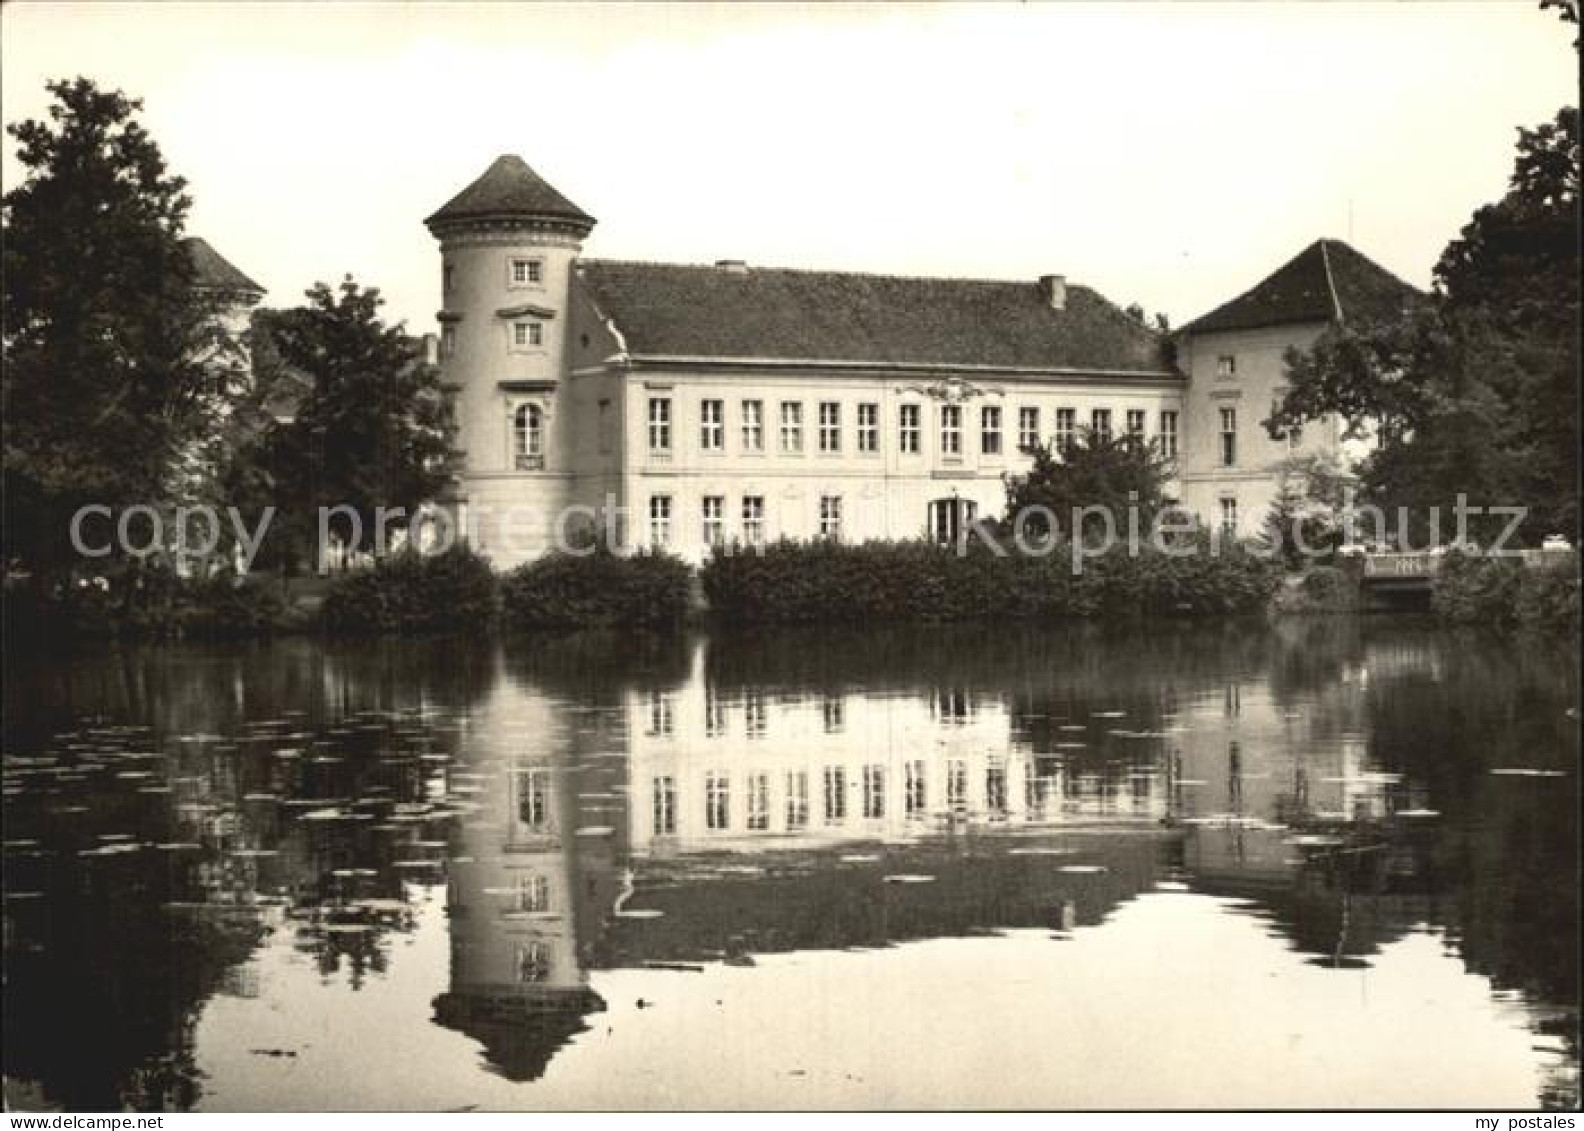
(528, 438)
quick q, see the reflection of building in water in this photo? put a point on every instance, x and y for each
(518, 983)
(715, 769)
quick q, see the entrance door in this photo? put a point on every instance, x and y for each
(949, 518)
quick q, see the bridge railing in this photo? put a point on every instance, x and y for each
(1420, 564)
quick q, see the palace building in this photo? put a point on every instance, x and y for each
(680, 406)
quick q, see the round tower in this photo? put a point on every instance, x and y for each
(508, 243)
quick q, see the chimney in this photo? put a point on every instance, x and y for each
(1053, 289)
(733, 266)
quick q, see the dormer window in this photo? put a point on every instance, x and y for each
(527, 335)
(526, 272)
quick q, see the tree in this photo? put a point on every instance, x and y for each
(1095, 471)
(1305, 519)
(373, 428)
(1475, 392)
(103, 387)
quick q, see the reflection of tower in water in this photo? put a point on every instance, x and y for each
(518, 981)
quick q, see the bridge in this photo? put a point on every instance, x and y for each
(1389, 573)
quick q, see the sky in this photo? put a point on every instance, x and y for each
(1170, 155)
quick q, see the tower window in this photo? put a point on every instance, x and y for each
(527, 335)
(528, 438)
(526, 272)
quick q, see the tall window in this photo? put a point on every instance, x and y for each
(913, 792)
(448, 277)
(755, 717)
(1135, 425)
(753, 426)
(996, 789)
(1100, 423)
(1066, 429)
(662, 719)
(606, 427)
(834, 710)
(874, 792)
(1229, 437)
(660, 425)
(1168, 434)
(528, 438)
(753, 519)
(714, 713)
(797, 800)
(951, 429)
(712, 509)
(712, 425)
(448, 340)
(990, 430)
(1226, 366)
(659, 520)
(791, 426)
(908, 429)
(829, 426)
(664, 806)
(1028, 428)
(527, 335)
(957, 784)
(717, 801)
(835, 794)
(533, 893)
(1229, 516)
(533, 799)
(758, 802)
(868, 428)
(830, 516)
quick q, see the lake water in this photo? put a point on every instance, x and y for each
(1322, 864)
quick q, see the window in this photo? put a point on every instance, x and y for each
(717, 801)
(1168, 434)
(1028, 428)
(753, 517)
(873, 792)
(868, 428)
(527, 335)
(913, 793)
(533, 893)
(528, 438)
(835, 794)
(664, 806)
(712, 425)
(533, 799)
(606, 426)
(753, 426)
(527, 272)
(447, 278)
(829, 426)
(448, 341)
(951, 429)
(797, 800)
(533, 962)
(713, 510)
(755, 717)
(1226, 366)
(1066, 429)
(1135, 425)
(949, 519)
(1100, 423)
(1292, 435)
(990, 430)
(758, 802)
(908, 429)
(1229, 516)
(1229, 437)
(660, 425)
(714, 714)
(996, 790)
(791, 426)
(834, 711)
(957, 784)
(662, 720)
(659, 520)
(830, 516)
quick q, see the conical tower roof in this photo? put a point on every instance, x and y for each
(509, 189)
(213, 271)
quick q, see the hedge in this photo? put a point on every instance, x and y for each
(414, 592)
(597, 589)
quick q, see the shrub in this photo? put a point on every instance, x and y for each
(1547, 600)
(793, 582)
(1470, 588)
(414, 592)
(597, 589)
(225, 605)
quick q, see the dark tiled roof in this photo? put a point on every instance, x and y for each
(510, 188)
(213, 271)
(721, 313)
(1327, 280)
